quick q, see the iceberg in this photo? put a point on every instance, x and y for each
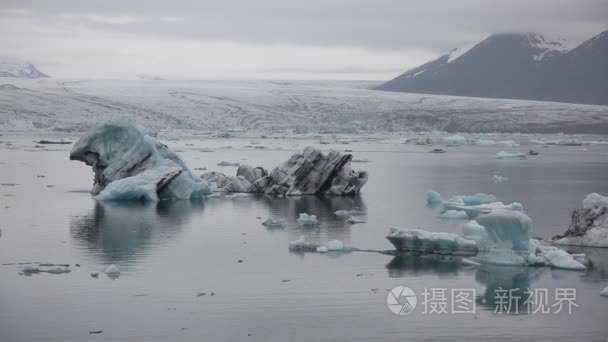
(225, 163)
(274, 223)
(129, 164)
(497, 179)
(496, 234)
(455, 140)
(433, 199)
(589, 225)
(454, 215)
(476, 199)
(353, 220)
(301, 245)
(312, 173)
(510, 155)
(220, 182)
(604, 292)
(306, 220)
(418, 240)
(112, 271)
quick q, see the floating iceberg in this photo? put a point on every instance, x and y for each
(45, 268)
(510, 155)
(433, 199)
(129, 164)
(499, 234)
(221, 182)
(418, 240)
(353, 220)
(306, 220)
(476, 199)
(497, 179)
(454, 215)
(311, 173)
(225, 163)
(589, 225)
(274, 223)
(348, 213)
(301, 245)
(112, 271)
(604, 292)
(455, 140)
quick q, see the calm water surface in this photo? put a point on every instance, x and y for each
(171, 251)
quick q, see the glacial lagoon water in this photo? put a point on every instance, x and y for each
(181, 279)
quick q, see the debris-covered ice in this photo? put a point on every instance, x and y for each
(589, 225)
(311, 172)
(510, 155)
(129, 164)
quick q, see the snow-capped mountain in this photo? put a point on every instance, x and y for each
(11, 67)
(517, 66)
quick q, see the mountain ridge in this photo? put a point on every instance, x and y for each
(515, 66)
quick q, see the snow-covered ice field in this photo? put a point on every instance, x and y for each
(209, 270)
(274, 106)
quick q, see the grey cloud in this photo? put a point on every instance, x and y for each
(388, 24)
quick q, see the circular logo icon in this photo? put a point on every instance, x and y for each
(401, 300)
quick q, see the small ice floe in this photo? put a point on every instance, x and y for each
(360, 161)
(510, 155)
(497, 179)
(354, 220)
(274, 223)
(112, 271)
(225, 163)
(95, 274)
(301, 245)
(307, 220)
(45, 268)
(333, 245)
(348, 213)
(454, 215)
(53, 142)
(604, 292)
(418, 240)
(455, 140)
(468, 262)
(589, 226)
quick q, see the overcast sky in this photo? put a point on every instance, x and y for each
(277, 39)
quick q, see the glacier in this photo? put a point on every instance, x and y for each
(589, 225)
(496, 233)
